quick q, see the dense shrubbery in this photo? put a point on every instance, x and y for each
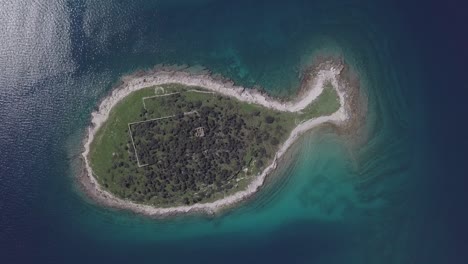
(177, 163)
(171, 149)
(187, 165)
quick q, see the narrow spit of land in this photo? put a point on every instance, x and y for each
(169, 142)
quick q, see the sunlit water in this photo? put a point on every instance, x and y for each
(339, 199)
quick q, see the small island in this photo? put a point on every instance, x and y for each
(171, 141)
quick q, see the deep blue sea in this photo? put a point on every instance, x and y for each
(399, 197)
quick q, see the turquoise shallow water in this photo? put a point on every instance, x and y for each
(336, 201)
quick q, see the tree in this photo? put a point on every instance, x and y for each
(274, 141)
(198, 104)
(269, 119)
(259, 163)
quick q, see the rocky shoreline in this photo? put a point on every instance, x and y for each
(323, 70)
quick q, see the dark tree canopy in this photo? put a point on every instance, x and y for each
(269, 119)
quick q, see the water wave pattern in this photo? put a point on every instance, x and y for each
(59, 59)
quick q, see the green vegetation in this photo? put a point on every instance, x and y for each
(327, 103)
(188, 145)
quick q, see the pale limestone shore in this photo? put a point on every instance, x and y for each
(311, 88)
